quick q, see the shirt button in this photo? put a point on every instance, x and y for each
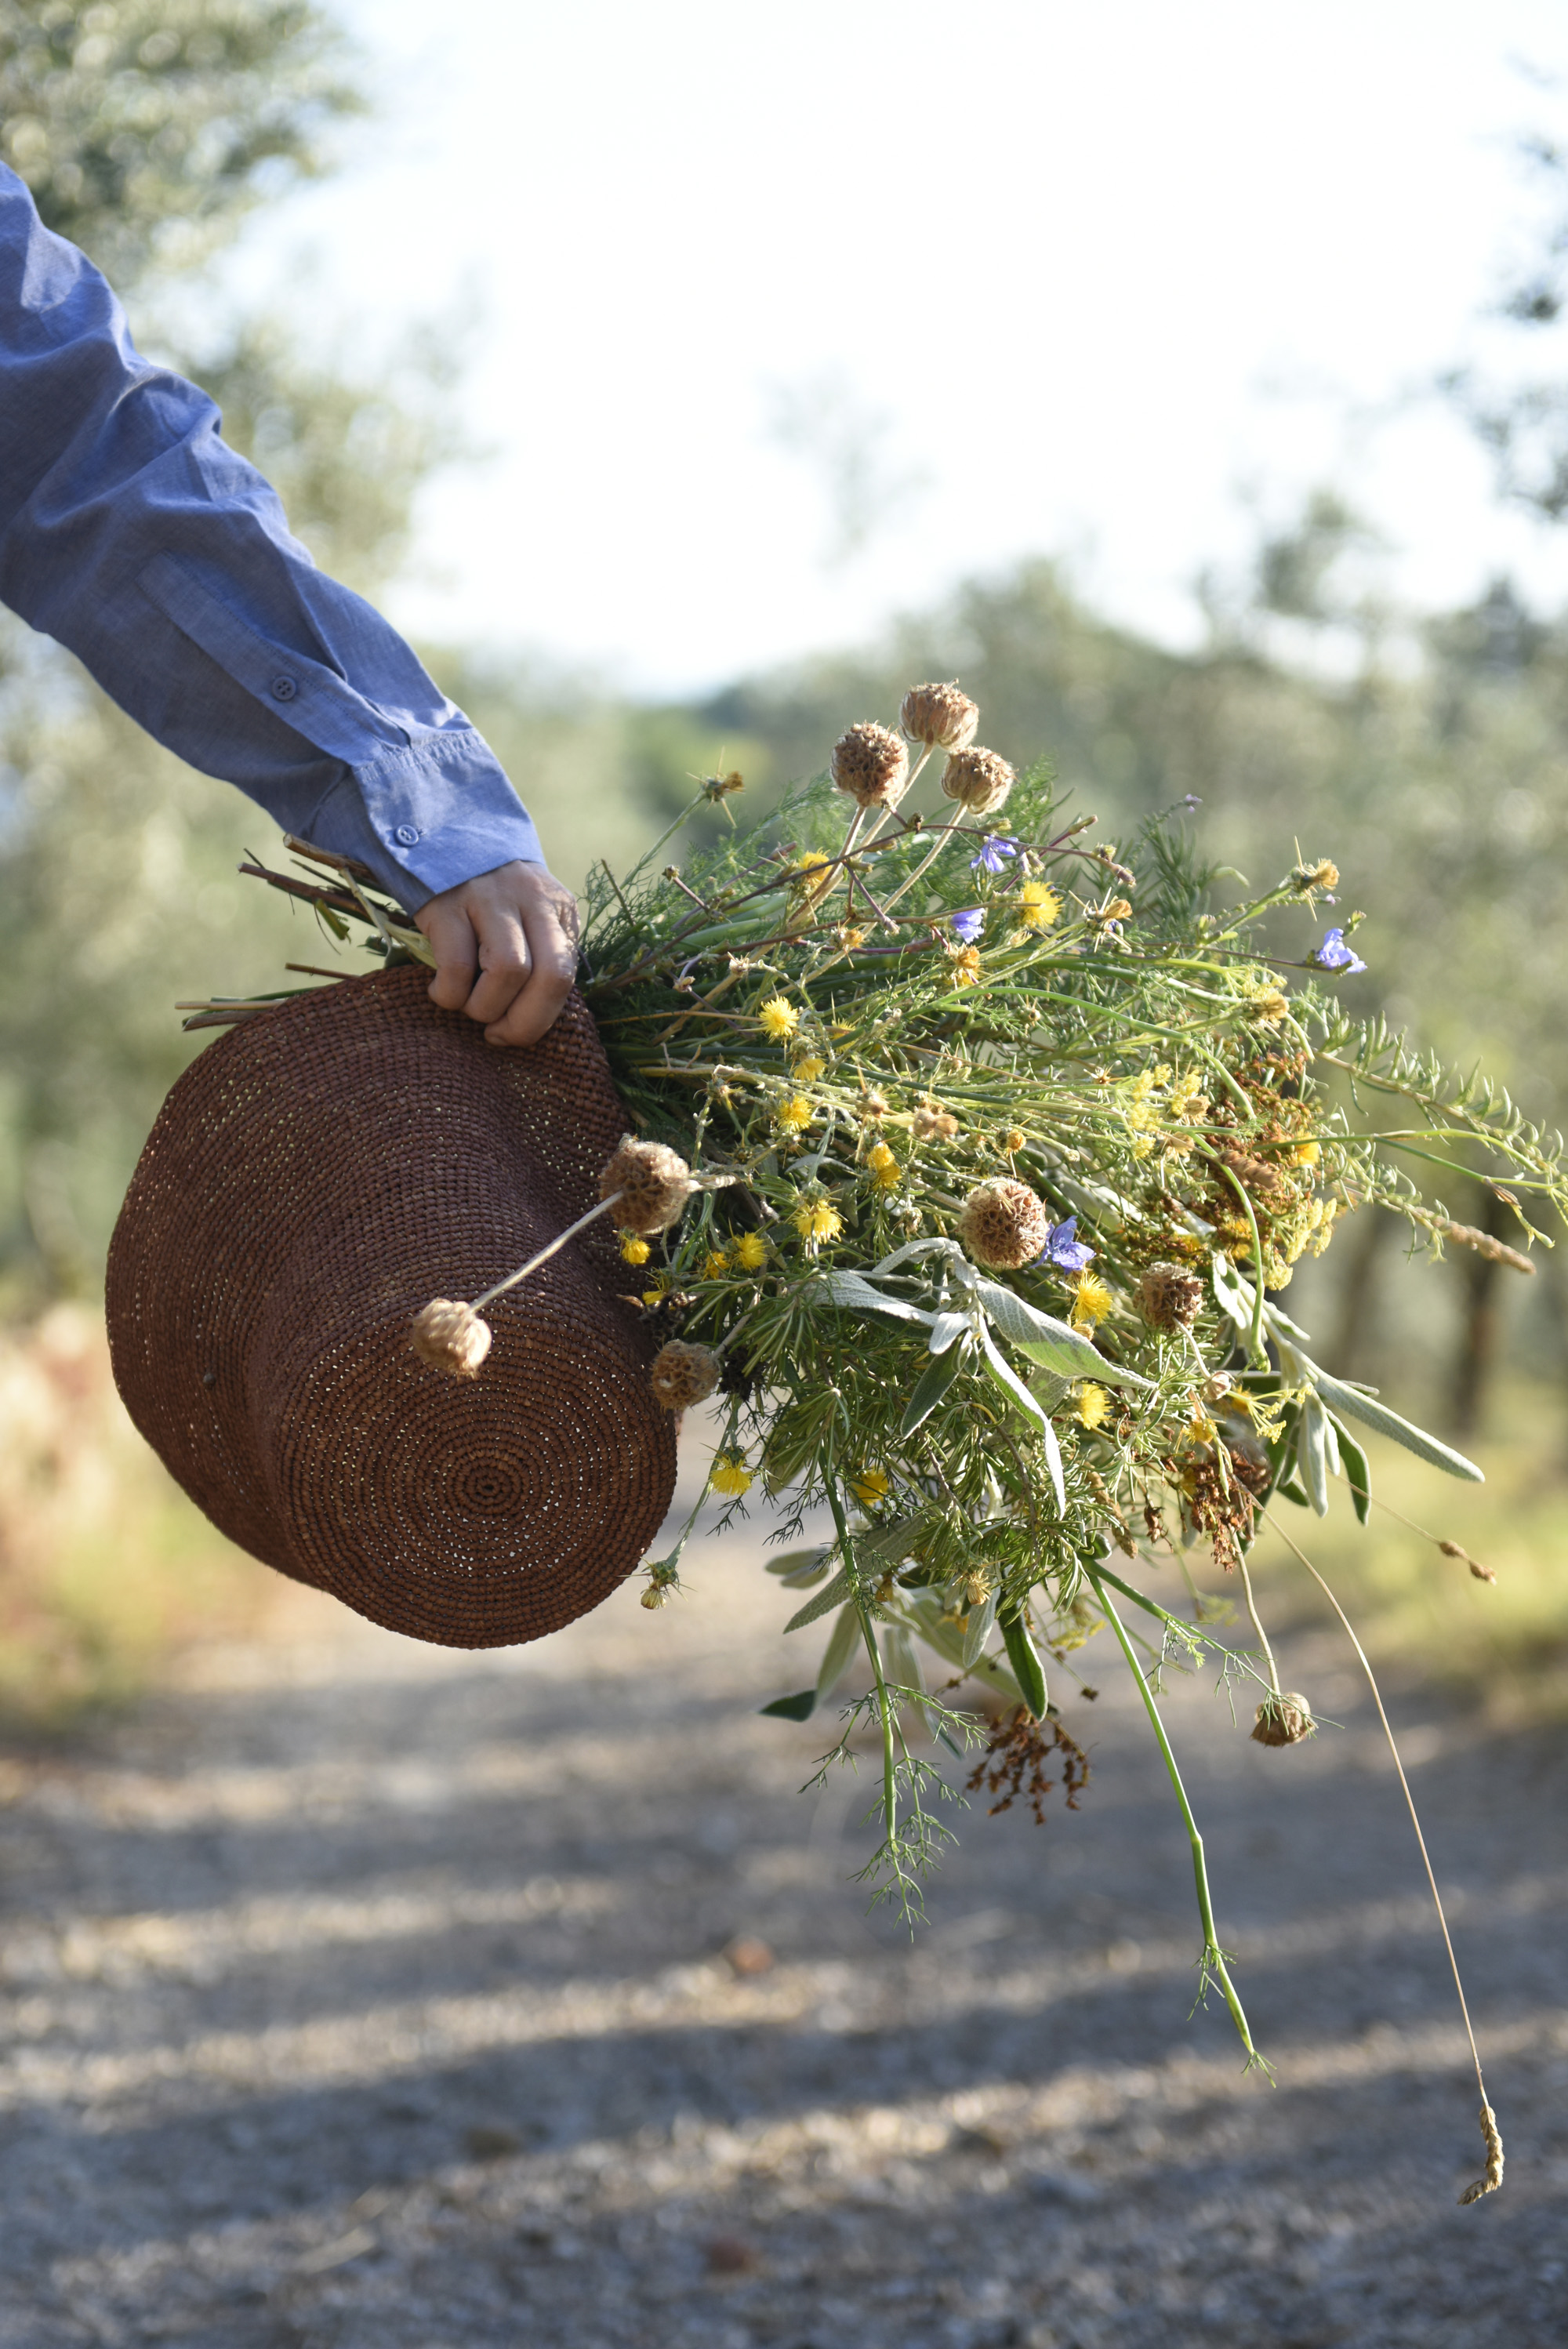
(283, 688)
(406, 835)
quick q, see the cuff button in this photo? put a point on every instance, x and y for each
(406, 835)
(283, 688)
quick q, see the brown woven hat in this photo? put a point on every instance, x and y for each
(314, 1178)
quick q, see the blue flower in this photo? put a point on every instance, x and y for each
(994, 851)
(1065, 1249)
(970, 923)
(1335, 954)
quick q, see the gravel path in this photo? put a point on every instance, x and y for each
(365, 1996)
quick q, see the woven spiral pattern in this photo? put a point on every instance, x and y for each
(313, 1179)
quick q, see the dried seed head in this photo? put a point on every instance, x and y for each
(1283, 1719)
(871, 764)
(451, 1337)
(682, 1374)
(872, 1105)
(1168, 1297)
(978, 779)
(654, 1181)
(1004, 1224)
(940, 717)
(932, 1124)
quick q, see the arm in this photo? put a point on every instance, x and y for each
(133, 534)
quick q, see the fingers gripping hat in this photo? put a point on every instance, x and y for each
(312, 1180)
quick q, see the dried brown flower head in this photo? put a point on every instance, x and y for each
(872, 1104)
(978, 779)
(1004, 1224)
(930, 1123)
(1496, 1251)
(683, 1375)
(1168, 1297)
(940, 717)
(1283, 1719)
(871, 764)
(654, 1181)
(451, 1337)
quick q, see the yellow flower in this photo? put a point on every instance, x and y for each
(1093, 1404)
(807, 1072)
(815, 1220)
(730, 1473)
(873, 1484)
(1038, 905)
(885, 1170)
(716, 1264)
(633, 1249)
(1091, 1300)
(966, 967)
(1201, 1428)
(1306, 1154)
(779, 1019)
(751, 1252)
(795, 1114)
(1014, 1139)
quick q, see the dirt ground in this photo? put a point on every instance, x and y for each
(365, 1996)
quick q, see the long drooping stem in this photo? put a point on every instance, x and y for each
(559, 1242)
(1214, 1960)
(1489, 2130)
(1257, 1625)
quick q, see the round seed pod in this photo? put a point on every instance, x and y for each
(939, 717)
(683, 1375)
(451, 1337)
(871, 764)
(978, 779)
(1004, 1224)
(654, 1181)
(1283, 1719)
(1169, 1296)
(930, 1125)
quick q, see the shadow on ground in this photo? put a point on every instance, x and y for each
(362, 1995)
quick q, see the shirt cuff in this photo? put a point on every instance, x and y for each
(429, 817)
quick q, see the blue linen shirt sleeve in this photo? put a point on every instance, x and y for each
(132, 533)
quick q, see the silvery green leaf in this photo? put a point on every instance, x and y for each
(978, 1630)
(1313, 1455)
(852, 1293)
(798, 1568)
(1351, 1405)
(1054, 1461)
(926, 1619)
(843, 1641)
(900, 1661)
(945, 1328)
(913, 1248)
(838, 1590)
(1008, 1380)
(1357, 1474)
(930, 1387)
(1046, 1340)
(880, 1546)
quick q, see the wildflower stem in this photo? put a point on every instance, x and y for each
(884, 1706)
(1493, 2178)
(560, 1242)
(944, 833)
(1214, 1960)
(1257, 1623)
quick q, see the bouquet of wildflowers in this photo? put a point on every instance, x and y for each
(972, 1160)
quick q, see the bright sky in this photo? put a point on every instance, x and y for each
(1070, 280)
